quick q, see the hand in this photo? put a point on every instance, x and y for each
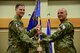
(39, 32)
(38, 27)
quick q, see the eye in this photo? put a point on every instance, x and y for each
(58, 13)
(23, 9)
(20, 9)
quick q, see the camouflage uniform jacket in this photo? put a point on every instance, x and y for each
(18, 38)
(63, 38)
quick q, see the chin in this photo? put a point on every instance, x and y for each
(21, 15)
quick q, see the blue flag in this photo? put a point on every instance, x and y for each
(49, 33)
(38, 8)
(48, 28)
(34, 17)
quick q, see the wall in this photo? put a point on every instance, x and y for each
(3, 41)
(71, 6)
(7, 10)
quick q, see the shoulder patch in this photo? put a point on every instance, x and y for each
(16, 25)
(63, 26)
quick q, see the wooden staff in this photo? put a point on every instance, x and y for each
(39, 29)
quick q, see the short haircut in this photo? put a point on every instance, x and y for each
(19, 4)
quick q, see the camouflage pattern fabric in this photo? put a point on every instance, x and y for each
(19, 39)
(63, 38)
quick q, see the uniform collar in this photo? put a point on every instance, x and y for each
(17, 17)
(64, 20)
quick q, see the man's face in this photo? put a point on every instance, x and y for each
(62, 14)
(20, 11)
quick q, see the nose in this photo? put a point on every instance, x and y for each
(23, 10)
(59, 14)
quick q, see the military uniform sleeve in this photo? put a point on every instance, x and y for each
(32, 32)
(61, 31)
(44, 35)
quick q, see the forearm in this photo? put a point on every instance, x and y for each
(25, 38)
(32, 32)
(46, 39)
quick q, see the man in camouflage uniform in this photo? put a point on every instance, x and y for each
(63, 37)
(18, 38)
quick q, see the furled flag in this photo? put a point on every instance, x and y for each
(49, 33)
(34, 17)
(40, 28)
